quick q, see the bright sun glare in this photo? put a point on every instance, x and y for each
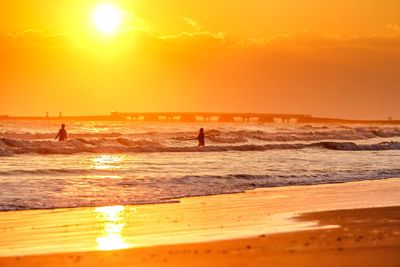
(107, 18)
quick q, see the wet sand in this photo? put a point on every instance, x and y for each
(366, 237)
(189, 233)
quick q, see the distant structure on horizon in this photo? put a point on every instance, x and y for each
(204, 117)
(210, 117)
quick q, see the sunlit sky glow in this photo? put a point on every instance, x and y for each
(338, 58)
(107, 18)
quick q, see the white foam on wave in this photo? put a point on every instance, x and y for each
(231, 135)
(125, 145)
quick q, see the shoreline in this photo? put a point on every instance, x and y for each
(192, 220)
(178, 200)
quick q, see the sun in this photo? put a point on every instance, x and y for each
(107, 18)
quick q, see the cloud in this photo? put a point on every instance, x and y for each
(203, 41)
(205, 38)
(191, 22)
(33, 37)
(193, 42)
(312, 42)
(197, 38)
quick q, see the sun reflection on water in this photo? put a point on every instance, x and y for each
(112, 220)
(107, 163)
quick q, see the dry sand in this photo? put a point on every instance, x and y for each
(352, 237)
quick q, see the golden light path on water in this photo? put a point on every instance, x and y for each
(107, 162)
(113, 220)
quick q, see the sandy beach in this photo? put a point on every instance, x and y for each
(338, 225)
(366, 237)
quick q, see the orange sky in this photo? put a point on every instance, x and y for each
(338, 59)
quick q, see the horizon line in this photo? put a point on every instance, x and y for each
(245, 115)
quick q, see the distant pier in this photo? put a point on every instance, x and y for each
(188, 117)
(209, 117)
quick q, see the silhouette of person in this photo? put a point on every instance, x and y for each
(62, 134)
(201, 137)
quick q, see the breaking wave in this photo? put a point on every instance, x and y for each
(226, 136)
(10, 147)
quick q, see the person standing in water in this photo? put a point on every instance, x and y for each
(62, 134)
(201, 137)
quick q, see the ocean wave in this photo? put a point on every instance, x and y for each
(307, 133)
(61, 171)
(132, 191)
(123, 145)
(312, 134)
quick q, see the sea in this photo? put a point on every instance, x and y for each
(129, 162)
